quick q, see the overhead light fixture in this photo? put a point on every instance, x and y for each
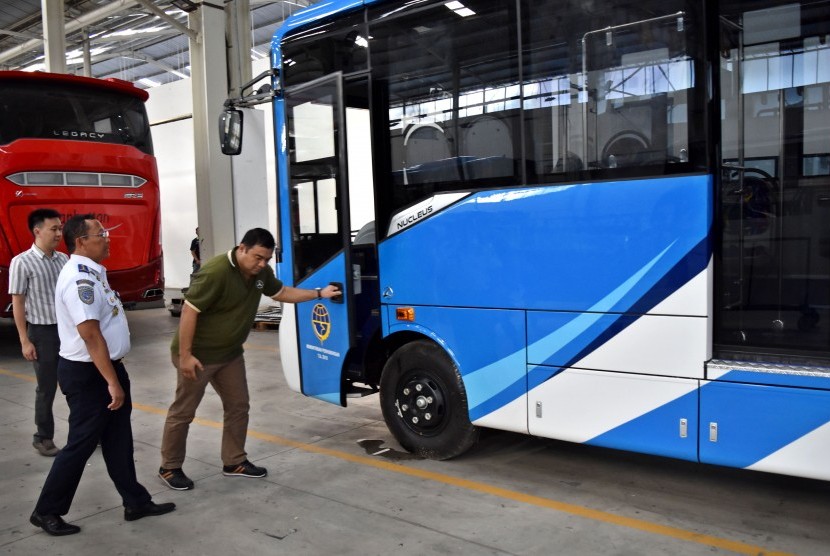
(460, 9)
(149, 82)
(185, 5)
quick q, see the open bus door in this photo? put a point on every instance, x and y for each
(320, 234)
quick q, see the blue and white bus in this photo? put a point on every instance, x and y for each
(601, 221)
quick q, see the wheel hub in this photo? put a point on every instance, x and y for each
(421, 404)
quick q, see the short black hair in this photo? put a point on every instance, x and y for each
(74, 228)
(258, 236)
(37, 216)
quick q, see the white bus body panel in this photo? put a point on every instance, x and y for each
(289, 355)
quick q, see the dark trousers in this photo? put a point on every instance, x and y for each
(90, 422)
(47, 344)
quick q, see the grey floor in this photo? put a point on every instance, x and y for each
(338, 483)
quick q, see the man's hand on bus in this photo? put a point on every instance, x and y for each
(189, 365)
(330, 291)
(290, 294)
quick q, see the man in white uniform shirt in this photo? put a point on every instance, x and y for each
(94, 337)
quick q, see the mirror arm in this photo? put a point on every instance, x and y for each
(246, 101)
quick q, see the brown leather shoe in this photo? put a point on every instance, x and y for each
(53, 524)
(46, 447)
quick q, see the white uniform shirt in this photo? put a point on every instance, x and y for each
(83, 294)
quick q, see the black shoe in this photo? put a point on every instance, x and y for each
(53, 524)
(150, 508)
(175, 478)
(244, 469)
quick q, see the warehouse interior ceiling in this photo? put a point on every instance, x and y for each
(127, 40)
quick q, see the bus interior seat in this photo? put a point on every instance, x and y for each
(488, 148)
(366, 234)
(626, 148)
(571, 162)
(428, 156)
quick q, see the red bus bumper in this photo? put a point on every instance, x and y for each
(143, 283)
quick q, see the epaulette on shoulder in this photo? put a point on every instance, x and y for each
(84, 268)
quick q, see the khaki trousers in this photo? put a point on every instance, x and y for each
(230, 382)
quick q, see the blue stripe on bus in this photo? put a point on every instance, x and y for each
(536, 251)
(505, 396)
(658, 431)
(570, 342)
(686, 269)
(532, 247)
(754, 421)
(778, 379)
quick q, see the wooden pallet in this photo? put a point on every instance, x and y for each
(268, 318)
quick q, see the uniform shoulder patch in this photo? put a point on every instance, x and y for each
(86, 294)
(86, 269)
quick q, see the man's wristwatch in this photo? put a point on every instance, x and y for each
(319, 295)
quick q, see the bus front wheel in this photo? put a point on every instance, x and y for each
(424, 402)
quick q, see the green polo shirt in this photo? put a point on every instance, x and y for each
(227, 303)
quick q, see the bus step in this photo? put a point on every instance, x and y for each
(360, 391)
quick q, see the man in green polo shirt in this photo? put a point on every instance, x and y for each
(217, 314)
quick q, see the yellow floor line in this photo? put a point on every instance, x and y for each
(259, 347)
(573, 509)
(484, 488)
(28, 378)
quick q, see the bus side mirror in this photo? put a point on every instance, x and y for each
(230, 131)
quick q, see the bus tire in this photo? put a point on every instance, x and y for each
(424, 402)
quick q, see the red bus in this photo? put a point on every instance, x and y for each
(81, 145)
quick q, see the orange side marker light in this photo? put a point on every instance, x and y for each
(405, 313)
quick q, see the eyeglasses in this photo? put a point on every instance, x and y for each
(105, 233)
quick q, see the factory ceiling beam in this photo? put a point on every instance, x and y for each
(170, 20)
(73, 25)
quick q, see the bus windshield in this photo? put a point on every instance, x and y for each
(72, 112)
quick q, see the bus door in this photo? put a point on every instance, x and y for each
(321, 205)
(775, 184)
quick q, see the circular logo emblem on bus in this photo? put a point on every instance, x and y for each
(321, 322)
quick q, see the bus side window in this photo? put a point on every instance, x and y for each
(606, 93)
(636, 73)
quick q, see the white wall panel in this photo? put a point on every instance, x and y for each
(173, 142)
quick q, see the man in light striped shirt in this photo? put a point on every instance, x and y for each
(32, 278)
